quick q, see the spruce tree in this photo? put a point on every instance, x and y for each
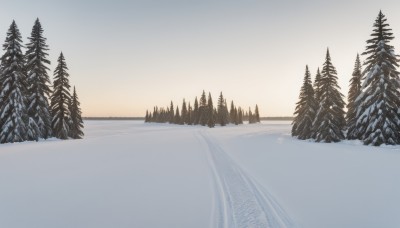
(184, 112)
(305, 110)
(240, 115)
(317, 86)
(196, 116)
(232, 113)
(177, 116)
(210, 112)
(251, 117)
(147, 117)
(235, 116)
(329, 122)
(377, 115)
(221, 111)
(256, 115)
(76, 123)
(38, 81)
(227, 118)
(203, 110)
(60, 100)
(189, 118)
(171, 113)
(14, 123)
(354, 92)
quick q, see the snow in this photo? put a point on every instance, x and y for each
(131, 174)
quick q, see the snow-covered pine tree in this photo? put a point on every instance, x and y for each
(317, 86)
(60, 100)
(354, 92)
(256, 115)
(38, 81)
(221, 111)
(329, 121)
(210, 112)
(305, 110)
(377, 115)
(14, 123)
(76, 123)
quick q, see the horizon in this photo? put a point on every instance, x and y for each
(162, 51)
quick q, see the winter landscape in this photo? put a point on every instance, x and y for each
(199, 114)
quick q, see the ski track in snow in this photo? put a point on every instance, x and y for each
(239, 200)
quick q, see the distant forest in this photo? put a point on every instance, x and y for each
(203, 113)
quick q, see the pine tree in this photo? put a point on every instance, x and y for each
(147, 117)
(38, 81)
(377, 115)
(227, 118)
(232, 113)
(251, 117)
(354, 92)
(196, 116)
(240, 115)
(14, 123)
(221, 111)
(184, 112)
(317, 87)
(305, 110)
(76, 123)
(171, 113)
(329, 122)
(189, 118)
(203, 110)
(177, 116)
(235, 116)
(60, 100)
(210, 112)
(256, 115)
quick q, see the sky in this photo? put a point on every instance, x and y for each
(127, 56)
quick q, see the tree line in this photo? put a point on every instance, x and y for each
(373, 107)
(203, 113)
(25, 91)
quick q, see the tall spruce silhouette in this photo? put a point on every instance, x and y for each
(329, 122)
(60, 100)
(317, 86)
(203, 110)
(354, 92)
(38, 80)
(221, 111)
(210, 112)
(76, 123)
(377, 115)
(14, 122)
(302, 126)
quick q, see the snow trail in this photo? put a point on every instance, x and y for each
(239, 200)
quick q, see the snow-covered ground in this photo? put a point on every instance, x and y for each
(131, 174)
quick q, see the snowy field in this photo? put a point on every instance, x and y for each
(131, 174)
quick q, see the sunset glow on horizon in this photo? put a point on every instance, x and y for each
(125, 57)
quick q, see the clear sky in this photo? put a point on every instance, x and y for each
(127, 56)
